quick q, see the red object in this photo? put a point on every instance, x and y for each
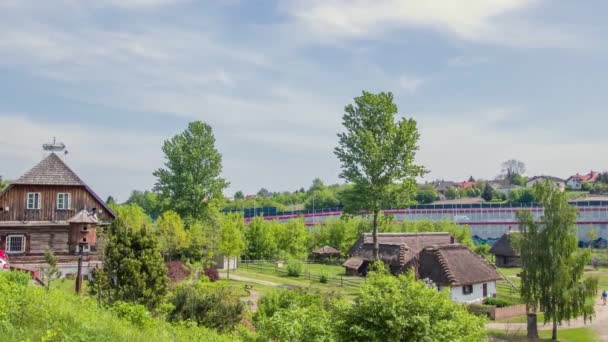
(5, 266)
(3, 255)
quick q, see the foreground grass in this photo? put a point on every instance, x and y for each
(30, 313)
(563, 335)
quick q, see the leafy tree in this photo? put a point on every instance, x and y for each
(488, 192)
(239, 195)
(148, 201)
(291, 239)
(191, 177)
(522, 196)
(132, 214)
(52, 272)
(518, 180)
(133, 268)
(426, 196)
(451, 193)
(402, 308)
(553, 267)
(198, 247)
(586, 186)
(471, 179)
(110, 200)
(322, 198)
(377, 155)
(172, 235)
(317, 185)
(512, 168)
(232, 242)
(261, 239)
(264, 193)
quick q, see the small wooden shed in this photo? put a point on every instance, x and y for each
(326, 252)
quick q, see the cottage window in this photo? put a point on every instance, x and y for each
(15, 244)
(63, 201)
(467, 289)
(33, 200)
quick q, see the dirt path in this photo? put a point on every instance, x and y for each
(599, 323)
(255, 281)
(252, 300)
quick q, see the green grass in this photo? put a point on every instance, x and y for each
(309, 278)
(522, 319)
(563, 335)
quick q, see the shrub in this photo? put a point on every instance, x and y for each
(294, 268)
(212, 274)
(211, 305)
(134, 313)
(323, 278)
(497, 302)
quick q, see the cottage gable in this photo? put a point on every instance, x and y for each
(50, 171)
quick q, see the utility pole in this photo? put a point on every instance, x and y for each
(314, 221)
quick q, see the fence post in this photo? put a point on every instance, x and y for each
(341, 281)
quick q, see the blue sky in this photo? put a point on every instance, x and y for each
(487, 80)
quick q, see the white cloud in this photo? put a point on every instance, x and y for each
(410, 84)
(466, 61)
(487, 21)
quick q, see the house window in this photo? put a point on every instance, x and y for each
(15, 244)
(33, 200)
(467, 289)
(63, 201)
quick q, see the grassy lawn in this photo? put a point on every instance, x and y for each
(308, 279)
(563, 335)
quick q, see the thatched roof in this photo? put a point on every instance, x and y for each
(353, 263)
(414, 241)
(454, 265)
(503, 246)
(326, 250)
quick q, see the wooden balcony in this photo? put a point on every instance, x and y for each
(45, 215)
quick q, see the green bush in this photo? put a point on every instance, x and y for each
(294, 268)
(134, 313)
(212, 305)
(323, 279)
(497, 302)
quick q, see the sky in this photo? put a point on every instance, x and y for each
(486, 80)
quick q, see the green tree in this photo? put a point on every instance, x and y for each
(172, 235)
(191, 178)
(552, 276)
(133, 268)
(52, 272)
(451, 193)
(132, 214)
(232, 242)
(488, 193)
(401, 308)
(426, 195)
(291, 239)
(511, 169)
(239, 195)
(110, 201)
(261, 240)
(3, 184)
(377, 155)
(148, 201)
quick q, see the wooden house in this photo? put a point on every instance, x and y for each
(50, 207)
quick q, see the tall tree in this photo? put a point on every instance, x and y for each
(232, 241)
(512, 168)
(3, 184)
(553, 266)
(192, 175)
(376, 152)
(488, 192)
(52, 272)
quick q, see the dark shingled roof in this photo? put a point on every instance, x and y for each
(503, 246)
(326, 250)
(50, 171)
(455, 265)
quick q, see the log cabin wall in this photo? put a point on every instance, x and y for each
(40, 238)
(16, 201)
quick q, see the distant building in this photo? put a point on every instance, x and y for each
(558, 182)
(442, 186)
(576, 182)
(465, 184)
(505, 254)
(435, 256)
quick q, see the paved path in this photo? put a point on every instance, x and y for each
(599, 323)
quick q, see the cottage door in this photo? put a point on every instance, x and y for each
(485, 290)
